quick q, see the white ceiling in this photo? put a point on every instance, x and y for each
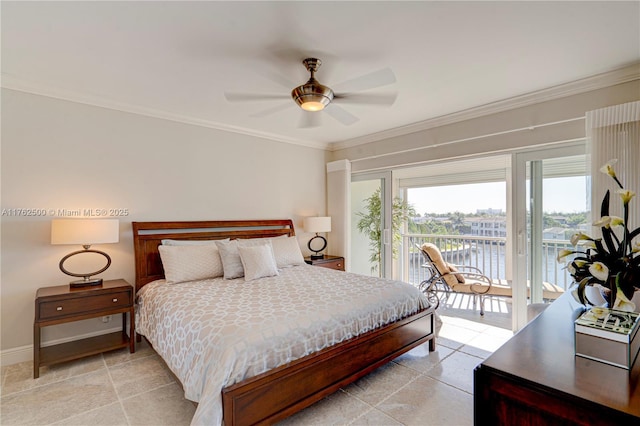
(176, 59)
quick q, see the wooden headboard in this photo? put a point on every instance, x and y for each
(147, 236)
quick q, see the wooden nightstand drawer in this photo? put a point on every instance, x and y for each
(331, 262)
(81, 305)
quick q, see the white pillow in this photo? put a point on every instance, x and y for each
(287, 252)
(231, 263)
(189, 263)
(258, 261)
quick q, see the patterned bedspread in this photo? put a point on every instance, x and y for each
(214, 333)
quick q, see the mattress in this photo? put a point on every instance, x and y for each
(217, 332)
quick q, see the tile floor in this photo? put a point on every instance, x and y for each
(118, 388)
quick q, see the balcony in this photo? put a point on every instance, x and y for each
(490, 255)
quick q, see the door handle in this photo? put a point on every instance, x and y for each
(386, 237)
(520, 243)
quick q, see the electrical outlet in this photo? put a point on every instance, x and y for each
(106, 318)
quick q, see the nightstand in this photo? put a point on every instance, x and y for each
(61, 304)
(331, 262)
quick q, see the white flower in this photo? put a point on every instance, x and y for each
(563, 253)
(626, 195)
(574, 293)
(599, 270)
(622, 302)
(608, 168)
(603, 221)
(616, 221)
(579, 236)
(580, 263)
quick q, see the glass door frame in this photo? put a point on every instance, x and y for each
(518, 237)
(387, 204)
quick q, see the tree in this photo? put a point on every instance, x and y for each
(369, 224)
(457, 220)
(548, 221)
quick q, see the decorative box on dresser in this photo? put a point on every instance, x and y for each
(535, 378)
(62, 304)
(331, 262)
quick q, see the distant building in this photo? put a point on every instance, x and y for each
(555, 233)
(585, 227)
(562, 220)
(419, 219)
(487, 226)
(490, 212)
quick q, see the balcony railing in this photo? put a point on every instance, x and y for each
(488, 254)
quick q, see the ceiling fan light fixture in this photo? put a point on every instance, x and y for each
(312, 106)
(312, 96)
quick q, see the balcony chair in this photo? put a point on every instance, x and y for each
(448, 278)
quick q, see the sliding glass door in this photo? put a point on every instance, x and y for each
(550, 204)
(370, 251)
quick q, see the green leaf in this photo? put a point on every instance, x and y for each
(606, 232)
(581, 288)
(604, 208)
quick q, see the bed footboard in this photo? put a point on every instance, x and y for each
(288, 389)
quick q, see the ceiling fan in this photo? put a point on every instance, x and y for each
(313, 96)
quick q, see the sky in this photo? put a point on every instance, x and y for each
(565, 195)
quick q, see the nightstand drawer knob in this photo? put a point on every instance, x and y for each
(115, 300)
(59, 308)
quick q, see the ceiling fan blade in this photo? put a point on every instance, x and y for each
(244, 97)
(278, 78)
(372, 80)
(386, 99)
(341, 114)
(310, 119)
(272, 110)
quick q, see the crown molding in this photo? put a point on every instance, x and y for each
(598, 81)
(13, 83)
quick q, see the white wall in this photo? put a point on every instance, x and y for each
(64, 155)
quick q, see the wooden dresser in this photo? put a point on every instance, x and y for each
(536, 379)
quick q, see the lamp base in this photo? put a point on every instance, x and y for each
(86, 283)
(316, 256)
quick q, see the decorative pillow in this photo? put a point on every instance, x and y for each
(459, 277)
(231, 263)
(258, 261)
(190, 242)
(189, 263)
(287, 252)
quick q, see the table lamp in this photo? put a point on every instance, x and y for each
(317, 224)
(85, 232)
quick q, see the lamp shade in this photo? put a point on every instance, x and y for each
(317, 224)
(84, 231)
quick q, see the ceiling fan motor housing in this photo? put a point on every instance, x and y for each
(312, 96)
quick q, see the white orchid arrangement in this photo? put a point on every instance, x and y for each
(612, 261)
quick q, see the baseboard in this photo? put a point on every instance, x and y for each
(25, 353)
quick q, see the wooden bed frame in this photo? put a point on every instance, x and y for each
(285, 390)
